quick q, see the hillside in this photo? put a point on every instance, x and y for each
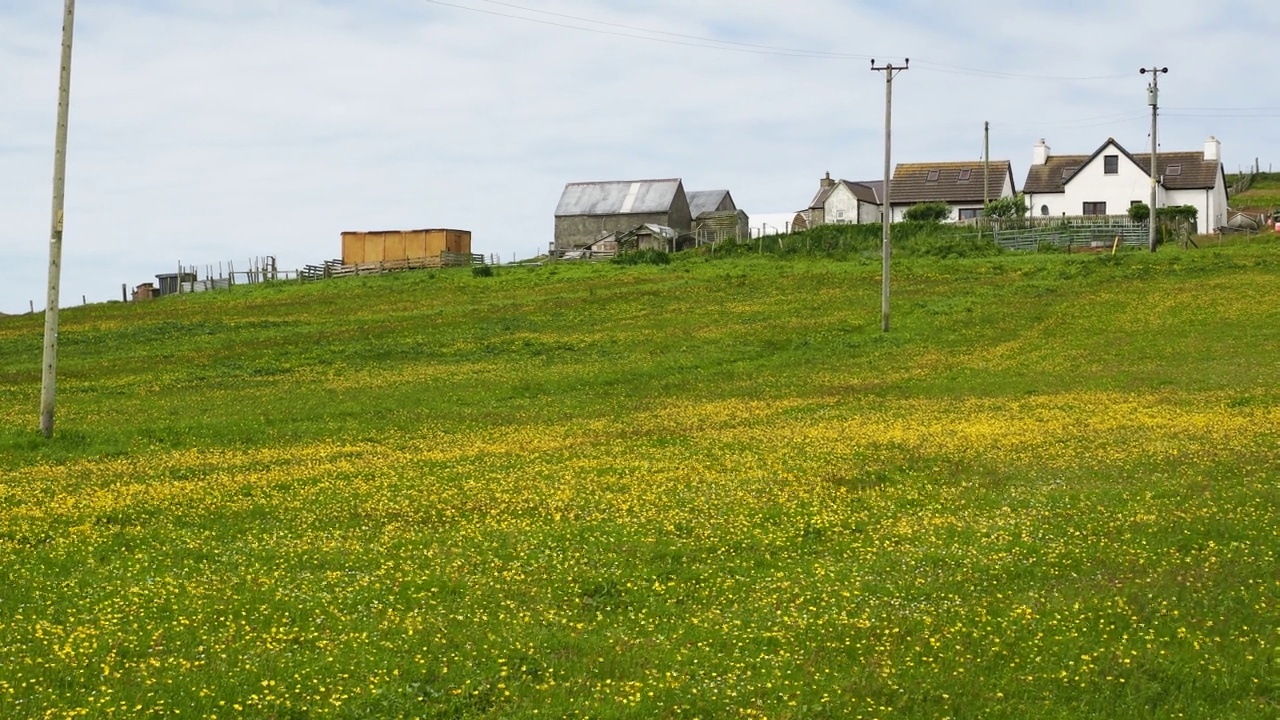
(706, 489)
(1262, 197)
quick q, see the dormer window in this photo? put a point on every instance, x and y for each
(933, 175)
(965, 174)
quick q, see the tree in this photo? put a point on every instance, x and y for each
(1007, 207)
(1139, 212)
(934, 212)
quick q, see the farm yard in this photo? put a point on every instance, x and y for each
(709, 489)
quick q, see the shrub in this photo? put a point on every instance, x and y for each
(1007, 208)
(928, 212)
(482, 271)
(1178, 214)
(1140, 212)
(642, 257)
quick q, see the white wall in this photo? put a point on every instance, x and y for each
(1212, 205)
(1118, 191)
(840, 201)
(868, 213)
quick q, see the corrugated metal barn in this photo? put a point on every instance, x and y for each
(589, 211)
(387, 245)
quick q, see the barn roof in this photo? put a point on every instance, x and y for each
(624, 197)
(705, 201)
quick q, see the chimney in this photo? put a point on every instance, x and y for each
(1213, 149)
(826, 182)
(1041, 154)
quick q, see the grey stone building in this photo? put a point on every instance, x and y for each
(716, 216)
(592, 210)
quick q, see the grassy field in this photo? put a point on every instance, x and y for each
(707, 489)
(1264, 196)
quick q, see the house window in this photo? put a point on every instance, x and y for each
(969, 213)
(1095, 208)
(1068, 172)
(933, 175)
(1111, 164)
(965, 174)
(1044, 210)
(1173, 171)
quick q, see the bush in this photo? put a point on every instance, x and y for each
(642, 257)
(1007, 208)
(1140, 212)
(934, 212)
(1178, 214)
(482, 271)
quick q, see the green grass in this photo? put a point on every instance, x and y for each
(711, 488)
(1263, 196)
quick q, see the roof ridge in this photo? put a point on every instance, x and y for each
(624, 182)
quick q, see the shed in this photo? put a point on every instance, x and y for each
(704, 202)
(590, 210)
(169, 282)
(386, 245)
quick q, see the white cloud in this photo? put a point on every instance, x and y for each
(207, 131)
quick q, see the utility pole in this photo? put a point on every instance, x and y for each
(49, 375)
(1153, 99)
(986, 164)
(886, 214)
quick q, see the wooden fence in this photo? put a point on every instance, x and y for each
(335, 268)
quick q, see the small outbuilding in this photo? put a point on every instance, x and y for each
(716, 216)
(171, 283)
(390, 245)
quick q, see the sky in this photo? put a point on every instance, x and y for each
(216, 131)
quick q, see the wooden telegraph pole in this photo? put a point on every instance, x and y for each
(1153, 99)
(886, 214)
(49, 375)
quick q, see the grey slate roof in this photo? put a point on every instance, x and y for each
(868, 192)
(1051, 177)
(626, 197)
(705, 201)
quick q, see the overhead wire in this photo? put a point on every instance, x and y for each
(708, 43)
(724, 46)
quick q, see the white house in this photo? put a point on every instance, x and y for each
(846, 203)
(958, 184)
(1112, 179)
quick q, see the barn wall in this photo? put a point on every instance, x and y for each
(581, 230)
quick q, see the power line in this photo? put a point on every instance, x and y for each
(1001, 75)
(722, 47)
(814, 53)
(708, 43)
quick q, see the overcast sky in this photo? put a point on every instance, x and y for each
(219, 130)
